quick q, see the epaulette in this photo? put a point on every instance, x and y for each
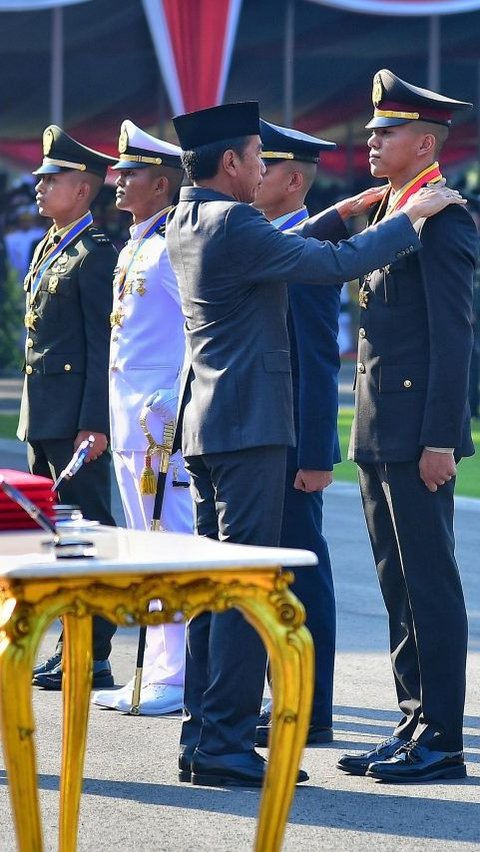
(99, 238)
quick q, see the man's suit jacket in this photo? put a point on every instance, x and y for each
(232, 267)
(66, 363)
(414, 348)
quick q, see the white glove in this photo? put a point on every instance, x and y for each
(164, 401)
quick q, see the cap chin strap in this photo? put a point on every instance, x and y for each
(391, 113)
(139, 158)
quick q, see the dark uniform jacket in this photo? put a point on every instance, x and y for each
(313, 330)
(414, 347)
(66, 366)
(231, 265)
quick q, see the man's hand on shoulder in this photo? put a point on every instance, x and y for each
(312, 480)
(436, 468)
(430, 200)
(99, 445)
(361, 203)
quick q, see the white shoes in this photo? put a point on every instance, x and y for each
(156, 699)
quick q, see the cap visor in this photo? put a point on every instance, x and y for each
(49, 169)
(126, 164)
(387, 122)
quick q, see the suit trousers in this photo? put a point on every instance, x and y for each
(90, 489)
(238, 497)
(302, 527)
(411, 533)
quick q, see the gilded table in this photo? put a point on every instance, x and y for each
(189, 575)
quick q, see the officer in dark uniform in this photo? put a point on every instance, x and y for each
(65, 395)
(291, 159)
(411, 427)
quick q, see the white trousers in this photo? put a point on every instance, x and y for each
(165, 650)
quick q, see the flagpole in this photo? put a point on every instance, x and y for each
(289, 59)
(56, 68)
(434, 52)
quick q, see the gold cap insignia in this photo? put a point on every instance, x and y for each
(377, 91)
(48, 140)
(122, 141)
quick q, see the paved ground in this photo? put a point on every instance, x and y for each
(132, 800)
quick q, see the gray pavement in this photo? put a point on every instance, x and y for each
(132, 800)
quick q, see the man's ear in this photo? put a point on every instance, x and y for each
(83, 190)
(427, 144)
(296, 181)
(161, 185)
(229, 158)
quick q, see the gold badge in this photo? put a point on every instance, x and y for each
(62, 260)
(141, 290)
(377, 91)
(123, 141)
(29, 320)
(48, 140)
(53, 284)
(363, 298)
(116, 317)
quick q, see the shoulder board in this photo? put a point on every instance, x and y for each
(99, 238)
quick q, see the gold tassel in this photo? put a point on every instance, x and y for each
(148, 480)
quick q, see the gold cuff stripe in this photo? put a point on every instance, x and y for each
(49, 161)
(139, 158)
(390, 113)
(277, 155)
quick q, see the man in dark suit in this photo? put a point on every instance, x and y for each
(65, 394)
(291, 161)
(411, 426)
(236, 413)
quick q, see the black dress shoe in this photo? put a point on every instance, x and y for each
(231, 770)
(357, 763)
(185, 767)
(47, 666)
(414, 762)
(316, 734)
(101, 676)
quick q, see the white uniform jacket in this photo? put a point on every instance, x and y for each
(147, 343)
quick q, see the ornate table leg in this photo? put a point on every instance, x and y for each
(278, 617)
(77, 681)
(18, 641)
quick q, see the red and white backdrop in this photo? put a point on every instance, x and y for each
(404, 7)
(34, 5)
(193, 44)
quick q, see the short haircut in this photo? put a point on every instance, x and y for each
(202, 163)
(440, 131)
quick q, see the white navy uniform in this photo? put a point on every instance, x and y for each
(146, 353)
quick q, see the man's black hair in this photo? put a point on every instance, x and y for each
(202, 163)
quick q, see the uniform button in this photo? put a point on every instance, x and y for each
(407, 383)
(115, 338)
(67, 368)
(29, 370)
(362, 332)
(29, 342)
(114, 368)
(360, 367)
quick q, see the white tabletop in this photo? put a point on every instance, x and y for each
(121, 551)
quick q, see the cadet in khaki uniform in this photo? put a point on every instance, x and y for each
(65, 395)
